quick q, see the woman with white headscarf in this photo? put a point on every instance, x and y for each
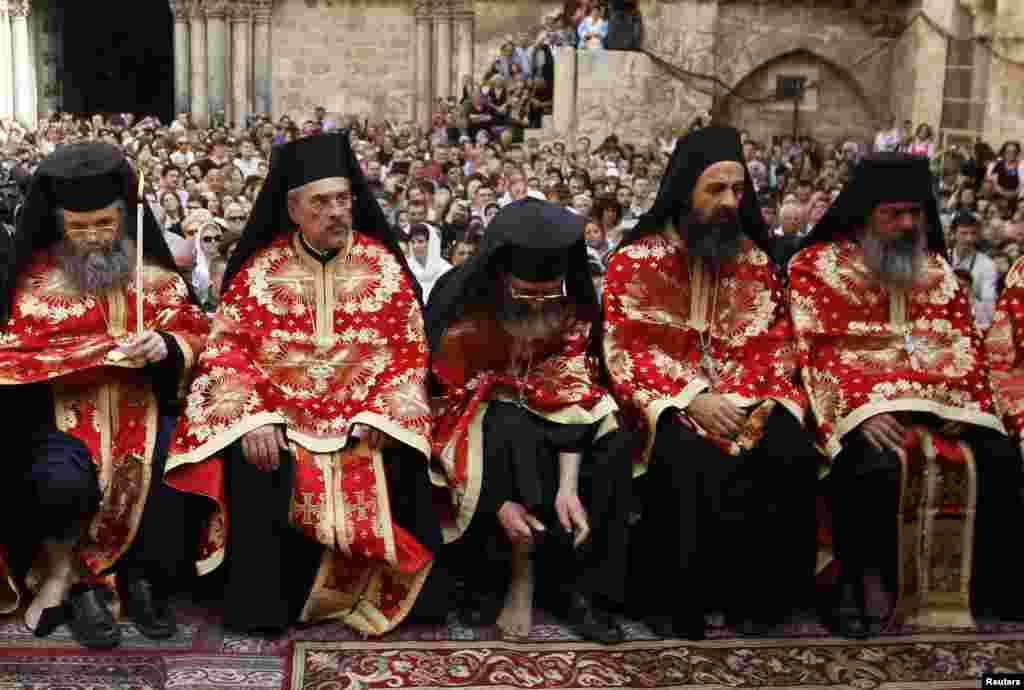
(425, 259)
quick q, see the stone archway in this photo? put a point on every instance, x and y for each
(835, 107)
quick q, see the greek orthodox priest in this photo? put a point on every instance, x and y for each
(95, 395)
(526, 437)
(308, 422)
(700, 350)
(1004, 344)
(922, 476)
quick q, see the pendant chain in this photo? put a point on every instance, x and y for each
(707, 361)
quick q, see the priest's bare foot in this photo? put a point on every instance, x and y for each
(51, 594)
(58, 560)
(516, 618)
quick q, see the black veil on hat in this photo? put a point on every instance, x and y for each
(695, 153)
(531, 239)
(78, 177)
(297, 164)
(879, 179)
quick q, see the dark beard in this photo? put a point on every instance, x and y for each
(717, 239)
(520, 321)
(896, 263)
(94, 267)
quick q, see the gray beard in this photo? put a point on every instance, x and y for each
(96, 268)
(520, 322)
(896, 264)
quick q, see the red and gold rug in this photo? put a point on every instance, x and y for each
(922, 662)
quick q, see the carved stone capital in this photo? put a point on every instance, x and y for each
(424, 9)
(262, 10)
(240, 11)
(215, 9)
(181, 9)
(19, 8)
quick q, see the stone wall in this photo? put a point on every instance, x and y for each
(853, 42)
(834, 110)
(351, 57)
(1002, 21)
(628, 94)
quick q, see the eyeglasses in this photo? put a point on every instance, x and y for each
(538, 297)
(103, 231)
(236, 219)
(211, 239)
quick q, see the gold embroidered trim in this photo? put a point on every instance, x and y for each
(135, 520)
(10, 595)
(117, 306)
(574, 414)
(699, 291)
(466, 509)
(356, 611)
(324, 285)
(211, 562)
(386, 525)
(861, 414)
(224, 439)
(315, 444)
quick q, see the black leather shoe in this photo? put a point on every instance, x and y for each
(150, 613)
(847, 615)
(592, 623)
(669, 628)
(51, 619)
(89, 617)
(661, 626)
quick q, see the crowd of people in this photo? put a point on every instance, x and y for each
(303, 282)
(441, 188)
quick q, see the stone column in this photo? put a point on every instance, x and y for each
(262, 10)
(465, 22)
(424, 64)
(240, 27)
(53, 57)
(182, 56)
(6, 64)
(24, 84)
(443, 51)
(565, 91)
(197, 34)
(216, 57)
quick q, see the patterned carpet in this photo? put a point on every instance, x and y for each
(332, 657)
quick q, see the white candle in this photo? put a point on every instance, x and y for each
(138, 258)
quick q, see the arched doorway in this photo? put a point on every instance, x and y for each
(118, 57)
(835, 109)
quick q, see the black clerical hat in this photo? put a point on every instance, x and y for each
(882, 178)
(693, 154)
(531, 239)
(78, 177)
(294, 165)
(85, 177)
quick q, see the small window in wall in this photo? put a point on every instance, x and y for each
(788, 86)
(798, 78)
